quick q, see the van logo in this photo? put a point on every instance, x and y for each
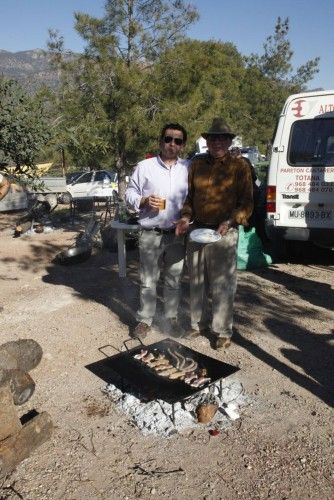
(298, 109)
(290, 196)
(290, 187)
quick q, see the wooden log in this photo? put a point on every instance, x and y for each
(7, 361)
(27, 353)
(16, 448)
(9, 420)
(21, 385)
(3, 376)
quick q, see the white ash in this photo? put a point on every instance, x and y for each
(156, 417)
(32, 231)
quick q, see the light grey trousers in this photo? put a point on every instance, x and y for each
(213, 281)
(159, 252)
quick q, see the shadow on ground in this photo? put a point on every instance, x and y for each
(271, 292)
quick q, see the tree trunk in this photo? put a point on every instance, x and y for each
(7, 361)
(27, 353)
(10, 422)
(21, 385)
(63, 162)
(121, 171)
(17, 447)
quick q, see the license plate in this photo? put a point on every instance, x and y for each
(310, 214)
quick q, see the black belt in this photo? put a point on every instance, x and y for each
(206, 226)
(158, 230)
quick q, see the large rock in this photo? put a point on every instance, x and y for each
(24, 354)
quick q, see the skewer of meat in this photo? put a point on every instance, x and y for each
(163, 366)
(141, 354)
(190, 378)
(148, 357)
(201, 381)
(181, 362)
(168, 372)
(180, 374)
(191, 365)
(158, 359)
(158, 363)
(176, 358)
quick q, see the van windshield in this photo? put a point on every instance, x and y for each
(312, 142)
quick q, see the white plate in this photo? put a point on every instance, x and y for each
(204, 235)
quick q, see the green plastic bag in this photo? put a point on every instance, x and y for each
(250, 251)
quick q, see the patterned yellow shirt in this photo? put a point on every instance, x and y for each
(219, 190)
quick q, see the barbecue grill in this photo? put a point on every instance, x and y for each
(123, 370)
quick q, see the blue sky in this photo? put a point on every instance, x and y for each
(246, 23)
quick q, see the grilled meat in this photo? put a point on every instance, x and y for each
(200, 381)
(141, 354)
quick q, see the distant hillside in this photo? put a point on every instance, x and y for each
(30, 68)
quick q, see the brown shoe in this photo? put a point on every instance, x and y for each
(192, 334)
(222, 343)
(141, 330)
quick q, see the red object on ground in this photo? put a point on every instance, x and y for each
(214, 432)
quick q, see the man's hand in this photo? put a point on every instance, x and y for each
(182, 226)
(224, 227)
(151, 201)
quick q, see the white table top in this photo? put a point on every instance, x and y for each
(116, 224)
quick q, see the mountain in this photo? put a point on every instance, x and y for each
(30, 68)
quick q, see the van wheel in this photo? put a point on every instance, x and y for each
(284, 250)
(297, 251)
(292, 250)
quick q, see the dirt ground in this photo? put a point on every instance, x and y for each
(281, 447)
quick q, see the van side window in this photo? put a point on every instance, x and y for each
(309, 142)
(330, 151)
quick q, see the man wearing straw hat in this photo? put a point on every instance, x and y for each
(220, 197)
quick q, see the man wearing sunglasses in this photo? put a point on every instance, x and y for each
(157, 190)
(220, 197)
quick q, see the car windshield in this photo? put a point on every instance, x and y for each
(113, 176)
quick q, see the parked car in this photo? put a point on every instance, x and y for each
(97, 184)
(252, 153)
(72, 176)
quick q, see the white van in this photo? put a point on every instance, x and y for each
(300, 188)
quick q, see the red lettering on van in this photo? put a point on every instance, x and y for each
(298, 108)
(327, 108)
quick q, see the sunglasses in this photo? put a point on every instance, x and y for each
(177, 140)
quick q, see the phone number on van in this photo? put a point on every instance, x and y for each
(310, 214)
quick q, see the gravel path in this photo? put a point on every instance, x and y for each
(281, 447)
